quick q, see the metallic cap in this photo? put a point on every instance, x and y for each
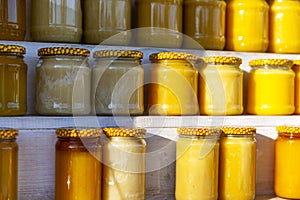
(6, 48)
(199, 131)
(238, 130)
(118, 53)
(124, 132)
(272, 62)
(221, 60)
(68, 51)
(74, 132)
(172, 56)
(8, 133)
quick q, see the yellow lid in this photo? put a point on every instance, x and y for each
(198, 131)
(272, 62)
(288, 129)
(6, 48)
(172, 56)
(74, 132)
(221, 60)
(68, 51)
(7, 133)
(296, 62)
(118, 53)
(124, 132)
(238, 130)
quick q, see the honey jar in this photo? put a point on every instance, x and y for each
(284, 26)
(237, 163)
(124, 164)
(197, 163)
(286, 171)
(117, 82)
(13, 80)
(241, 18)
(8, 164)
(63, 81)
(78, 163)
(220, 86)
(173, 84)
(296, 69)
(204, 22)
(271, 87)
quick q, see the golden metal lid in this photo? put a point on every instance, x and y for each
(6, 48)
(118, 54)
(296, 62)
(124, 132)
(221, 60)
(288, 129)
(272, 62)
(67, 51)
(7, 133)
(238, 130)
(172, 56)
(199, 131)
(75, 132)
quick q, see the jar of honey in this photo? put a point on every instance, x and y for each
(296, 69)
(12, 19)
(117, 85)
(159, 23)
(8, 164)
(173, 84)
(63, 81)
(124, 164)
(286, 171)
(78, 163)
(237, 163)
(204, 22)
(241, 18)
(284, 26)
(220, 86)
(56, 21)
(104, 19)
(197, 164)
(13, 80)
(271, 87)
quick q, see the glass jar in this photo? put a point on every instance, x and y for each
(220, 86)
(197, 164)
(118, 79)
(159, 23)
(63, 81)
(237, 164)
(8, 164)
(286, 171)
(173, 84)
(271, 87)
(78, 163)
(204, 21)
(12, 19)
(241, 18)
(56, 21)
(103, 19)
(124, 159)
(296, 69)
(13, 80)
(284, 26)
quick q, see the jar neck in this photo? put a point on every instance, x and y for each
(64, 57)
(119, 60)
(17, 55)
(271, 67)
(238, 136)
(289, 135)
(206, 137)
(7, 139)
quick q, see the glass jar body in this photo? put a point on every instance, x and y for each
(117, 86)
(173, 88)
(63, 85)
(13, 81)
(8, 169)
(237, 167)
(242, 16)
(197, 167)
(271, 90)
(204, 21)
(159, 23)
(221, 89)
(124, 168)
(12, 19)
(296, 69)
(56, 21)
(104, 19)
(284, 26)
(77, 168)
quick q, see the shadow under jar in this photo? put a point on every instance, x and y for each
(63, 81)
(56, 21)
(117, 86)
(13, 80)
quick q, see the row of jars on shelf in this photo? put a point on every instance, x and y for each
(228, 163)
(65, 84)
(210, 23)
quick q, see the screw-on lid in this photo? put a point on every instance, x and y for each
(272, 62)
(172, 56)
(118, 54)
(68, 51)
(238, 130)
(6, 48)
(289, 130)
(8, 133)
(75, 132)
(221, 60)
(124, 132)
(204, 131)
